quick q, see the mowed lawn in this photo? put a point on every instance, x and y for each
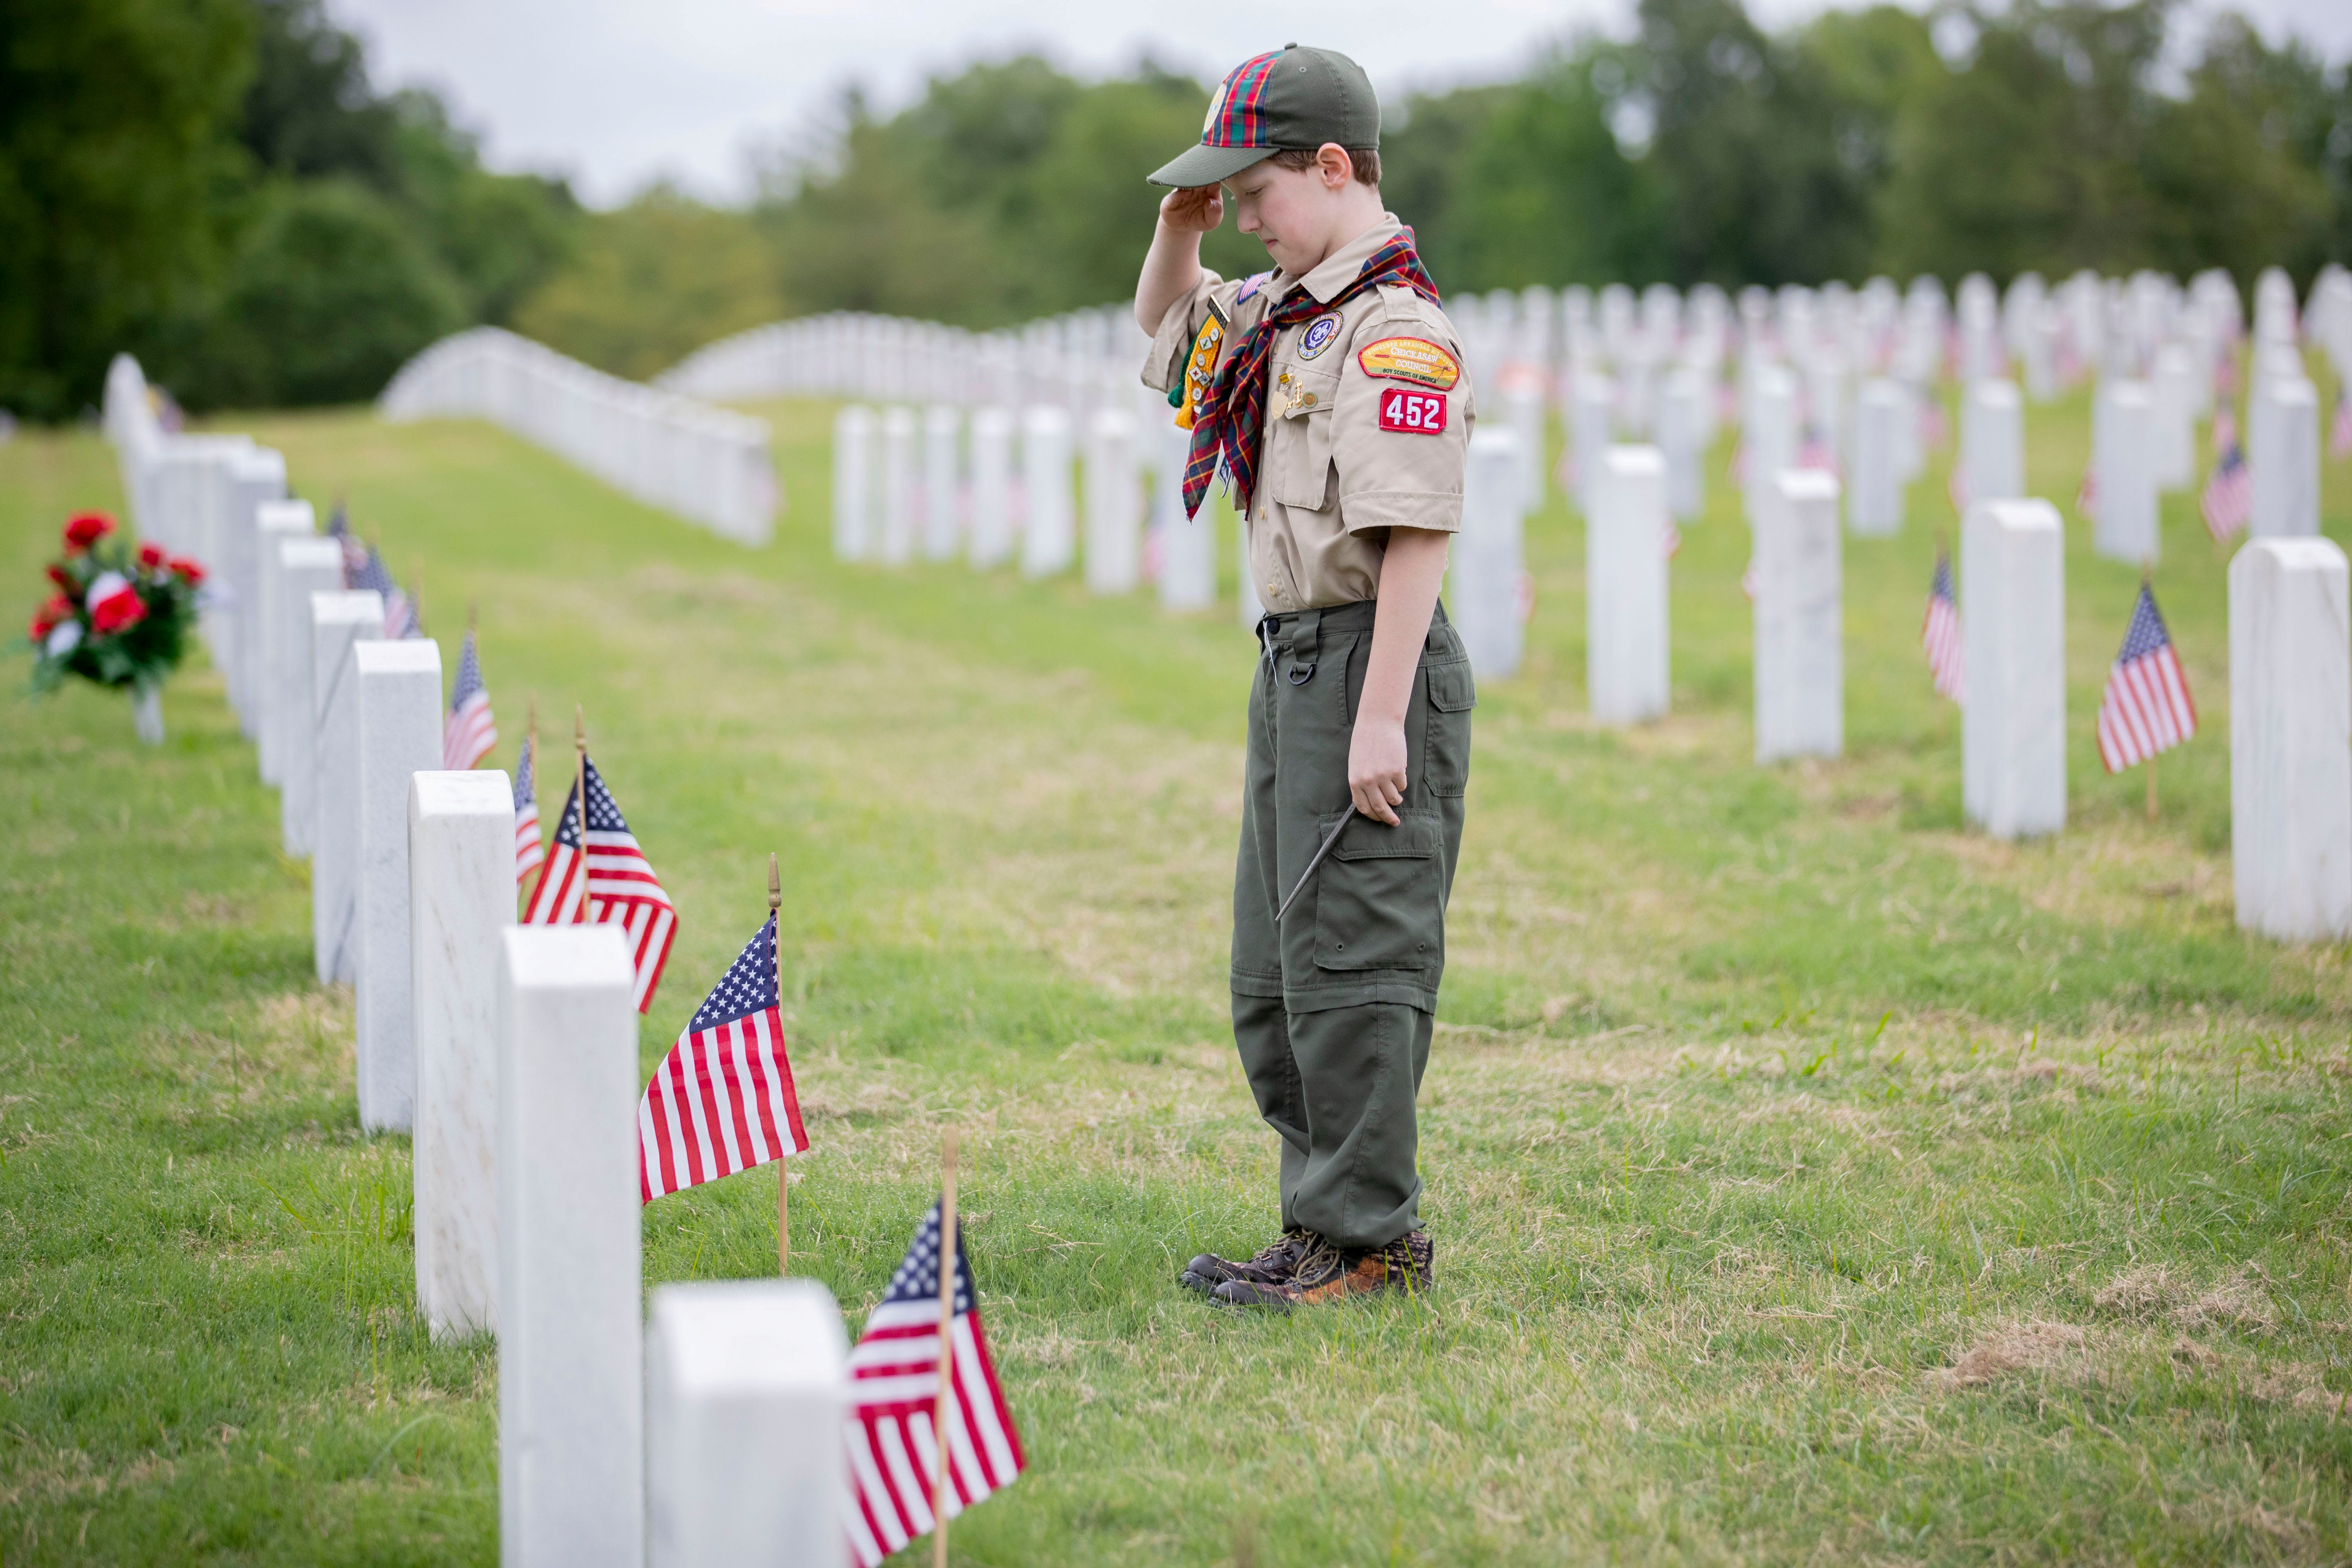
(1811, 1179)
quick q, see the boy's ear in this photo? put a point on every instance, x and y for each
(1334, 166)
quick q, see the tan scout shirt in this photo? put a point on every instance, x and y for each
(1344, 459)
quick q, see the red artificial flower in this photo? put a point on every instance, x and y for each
(45, 620)
(114, 605)
(86, 529)
(63, 579)
(187, 571)
(152, 556)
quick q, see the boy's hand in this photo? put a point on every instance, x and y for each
(1195, 211)
(1376, 758)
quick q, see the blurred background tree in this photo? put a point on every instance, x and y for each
(216, 186)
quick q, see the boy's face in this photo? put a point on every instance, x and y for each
(1291, 210)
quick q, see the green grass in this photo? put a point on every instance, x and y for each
(1812, 1180)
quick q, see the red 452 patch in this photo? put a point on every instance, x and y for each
(1418, 413)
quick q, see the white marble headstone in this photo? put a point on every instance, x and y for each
(901, 486)
(2013, 640)
(2291, 739)
(1992, 442)
(400, 735)
(461, 896)
(1800, 620)
(852, 483)
(304, 566)
(2285, 460)
(942, 497)
(993, 508)
(338, 622)
(1876, 505)
(2123, 527)
(1048, 533)
(570, 1346)
(746, 1384)
(1114, 560)
(273, 524)
(1626, 661)
(1486, 559)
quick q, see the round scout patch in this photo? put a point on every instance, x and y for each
(1416, 360)
(1317, 336)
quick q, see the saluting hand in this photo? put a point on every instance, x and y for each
(1195, 211)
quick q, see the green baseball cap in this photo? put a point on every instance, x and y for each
(1293, 98)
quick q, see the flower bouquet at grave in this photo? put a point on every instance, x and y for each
(118, 616)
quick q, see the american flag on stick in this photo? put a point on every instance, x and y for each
(468, 731)
(1814, 451)
(893, 1392)
(528, 851)
(613, 885)
(339, 529)
(1940, 635)
(2147, 708)
(722, 1101)
(400, 618)
(2228, 502)
(2086, 494)
(2339, 430)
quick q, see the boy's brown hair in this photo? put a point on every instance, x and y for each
(1366, 160)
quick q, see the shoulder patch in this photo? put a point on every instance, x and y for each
(1416, 360)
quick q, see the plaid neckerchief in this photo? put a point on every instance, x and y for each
(1232, 420)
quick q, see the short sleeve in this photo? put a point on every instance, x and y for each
(1172, 344)
(1400, 426)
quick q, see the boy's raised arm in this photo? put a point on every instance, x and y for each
(1171, 270)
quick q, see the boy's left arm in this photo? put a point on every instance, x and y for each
(1400, 434)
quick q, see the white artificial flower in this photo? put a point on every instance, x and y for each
(64, 638)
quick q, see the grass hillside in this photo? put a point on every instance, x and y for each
(1811, 1179)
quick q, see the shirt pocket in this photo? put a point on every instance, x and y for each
(1298, 463)
(1377, 903)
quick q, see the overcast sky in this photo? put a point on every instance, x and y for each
(616, 92)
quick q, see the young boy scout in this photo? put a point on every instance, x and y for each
(1330, 389)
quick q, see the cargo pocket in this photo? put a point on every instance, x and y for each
(1378, 904)
(1451, 694)
(1299, 462)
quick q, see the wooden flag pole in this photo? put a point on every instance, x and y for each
(784, 1172)
(2146, 572)
(580, 782)
(947, 1352)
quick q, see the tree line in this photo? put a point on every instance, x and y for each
(215, 185)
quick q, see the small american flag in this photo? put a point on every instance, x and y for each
(2086, 494)
(722, 1101)
(399, 613)
(1933, 426)
(468, 731)
(2147, 708)
(339, 529)
(894, 1373)
(1940, 635)
(1814, 451)
(527, 852)
(2228, 502)
(2339, 431)
(618, 888)
(1956, 489)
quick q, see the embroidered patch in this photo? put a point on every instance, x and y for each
(1318, 336)
(1416, 413)
(1416, 360)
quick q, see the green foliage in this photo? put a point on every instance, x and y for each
(650, 282)
(114, 120)
(329, 292)
(167, 169)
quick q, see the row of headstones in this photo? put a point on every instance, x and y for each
(936, 485)
(509, 1055)
(710, 465)
(2290, 662)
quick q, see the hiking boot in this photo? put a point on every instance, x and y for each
(1329, 1273)
(1272, 1266)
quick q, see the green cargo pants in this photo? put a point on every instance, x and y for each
(1332, 1012)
